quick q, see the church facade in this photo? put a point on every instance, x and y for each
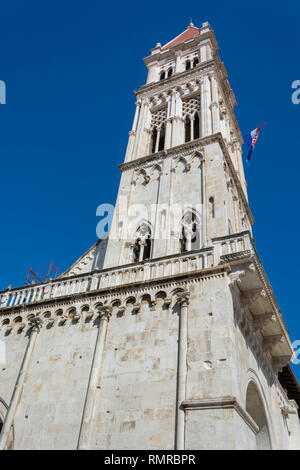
(166, 333)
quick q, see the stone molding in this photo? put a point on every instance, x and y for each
(102, 304)
(221, 403)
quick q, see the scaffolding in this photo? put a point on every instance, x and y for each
(43, 275)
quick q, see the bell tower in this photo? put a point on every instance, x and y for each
(167, 330)
(182, 179)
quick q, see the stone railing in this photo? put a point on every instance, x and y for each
(231, 246)
(138, 272)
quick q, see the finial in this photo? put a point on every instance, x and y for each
(191, 24)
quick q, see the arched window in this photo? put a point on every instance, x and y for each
(187, 65)
(190, 234)
(230, 231)
(255, 408)
(161, 144)
(212, 207)
(187, 129)
(142, 246)
(162, 76)
(170, 72)
(196, 125)
(147, 248)
(195, 61)
(136, 250)
(153, 140)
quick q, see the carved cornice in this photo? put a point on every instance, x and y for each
(239, 255)
(178, 150)
(221, 403)
(176, 80)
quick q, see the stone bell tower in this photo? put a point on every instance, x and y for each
(184, 151)
(167, 331)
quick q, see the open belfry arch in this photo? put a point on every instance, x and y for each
(169, 336)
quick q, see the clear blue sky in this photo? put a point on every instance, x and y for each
(70, 68)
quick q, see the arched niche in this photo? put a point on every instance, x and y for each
(255, 408)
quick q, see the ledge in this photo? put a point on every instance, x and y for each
(221, 403)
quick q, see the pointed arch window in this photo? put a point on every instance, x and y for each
(143, 243)
(196, 126)
(187, 65)
(161, 142)
(195, 61)
(212, 207)
(162, 76)
(153, 139)
(190, 232)
(170, 72)
(187, 129)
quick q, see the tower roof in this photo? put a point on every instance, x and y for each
(189, 33)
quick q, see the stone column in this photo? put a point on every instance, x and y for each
(138, 130)
(132, 133)
(142, 245)
(139, 145)
(169, 124)
(178, 122)
(35, 326)
(183, 300)
(179, 64)
(236, 214)
(205, 107)
(87, 417)
(215, 105)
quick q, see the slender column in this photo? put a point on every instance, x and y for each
(27, 296)
(178, 65)
(168, 136)
(138, 130)
(157, 140)
(215, 105)
(87, 417)
(132, 133)
(192, 127)
(139, 147)
(17, 299)
(183, 300)
(236, 215)
(12, 299)
(22, 297)
(205, 107)
(35, 326)
(142, 245)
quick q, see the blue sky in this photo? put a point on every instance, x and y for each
(70, 68)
